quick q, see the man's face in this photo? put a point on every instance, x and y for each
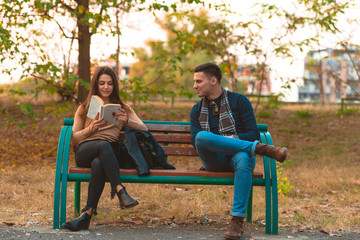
(202, 84)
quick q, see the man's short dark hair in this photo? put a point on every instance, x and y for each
(210, 70)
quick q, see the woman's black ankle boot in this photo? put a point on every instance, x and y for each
(80, 223)
(125, 200)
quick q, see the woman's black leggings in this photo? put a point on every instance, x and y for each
(100, 156)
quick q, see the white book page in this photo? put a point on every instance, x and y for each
(108, 113)
(94, 107)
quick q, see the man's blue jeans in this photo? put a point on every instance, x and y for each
(222, 154)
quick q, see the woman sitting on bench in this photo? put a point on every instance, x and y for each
(96, 145)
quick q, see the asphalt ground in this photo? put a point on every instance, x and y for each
(163, 232)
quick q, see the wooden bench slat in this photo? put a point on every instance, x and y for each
(168, 138)
(172, 138)
(179, 151)
(168, 128)
(164, 172)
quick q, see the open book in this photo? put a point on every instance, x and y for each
(106, 111)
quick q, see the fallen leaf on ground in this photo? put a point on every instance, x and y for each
(334, 235)
(323, 231)
(9, 223)
(284, 225)
(181, 189)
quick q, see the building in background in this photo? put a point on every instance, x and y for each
(249, 77)
(123, 69)
(330, 75)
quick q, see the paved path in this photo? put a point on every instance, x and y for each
(135, 232)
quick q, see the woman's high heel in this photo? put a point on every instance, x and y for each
(80, 223)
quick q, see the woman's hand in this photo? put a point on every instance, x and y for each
(122, 116)
(133, 121)
(127, 108)
(97, 123)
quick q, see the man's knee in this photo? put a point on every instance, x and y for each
(242, 160)
(202, 137)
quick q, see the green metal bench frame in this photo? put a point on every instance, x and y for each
(62, 177)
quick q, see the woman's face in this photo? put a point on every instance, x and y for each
(105, 86)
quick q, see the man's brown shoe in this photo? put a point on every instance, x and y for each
(277, 153)
(235, 230)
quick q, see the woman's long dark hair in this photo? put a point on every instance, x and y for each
(94, 86)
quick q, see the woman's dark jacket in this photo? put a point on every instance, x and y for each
(144, 151)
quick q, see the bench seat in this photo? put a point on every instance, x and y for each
(169, 176)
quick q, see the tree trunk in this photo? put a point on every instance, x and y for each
(233, 79)
(84, 51)
(332, 97)
(343, 76)
(117, 60)
(262, 77)
(234, 84)
(323, 81)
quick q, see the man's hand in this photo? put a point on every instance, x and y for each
(229, 136)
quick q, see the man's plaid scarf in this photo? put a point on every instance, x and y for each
(226, 120)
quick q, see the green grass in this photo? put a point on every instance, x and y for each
(328, 220)
(299, 218)
(302, 114)
(337, 150)
(265, 114)
(310, 132)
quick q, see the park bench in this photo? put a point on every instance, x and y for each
(176, 140)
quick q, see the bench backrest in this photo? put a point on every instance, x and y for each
(177, 134)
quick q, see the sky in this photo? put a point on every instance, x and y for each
(139, 27)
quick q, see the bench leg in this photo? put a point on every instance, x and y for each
(77, 198)
(268, 202)
(275, 216)
(249, 207)
(64, 177)
(56, 215)
(275, 201)
(63, 203)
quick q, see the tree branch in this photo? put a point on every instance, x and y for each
(67, 7)
(157, 78)
(97, 23)
(69, 93)
(60, 27)
(351, 59)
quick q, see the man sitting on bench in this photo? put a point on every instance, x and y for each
(225, 135)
